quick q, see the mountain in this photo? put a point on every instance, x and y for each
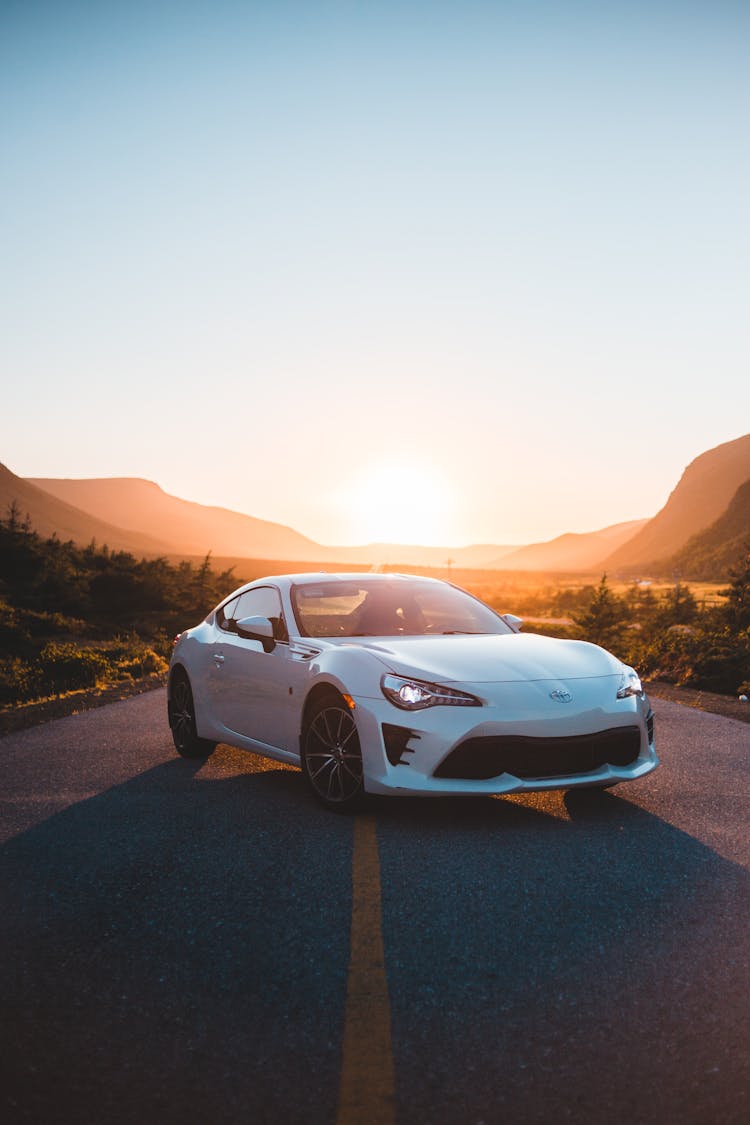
(579, 552)
(712, 553)
(193, 529)
(50, 515)
(137, 515)
(702, 494)
(188, 528)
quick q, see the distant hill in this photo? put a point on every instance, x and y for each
(50, 515)
(193, 529)
(188, 528)
(137, 515)
(712, 553)
(702, 494)
(575, 552)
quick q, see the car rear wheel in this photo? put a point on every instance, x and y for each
(332, 756)
(182, 719)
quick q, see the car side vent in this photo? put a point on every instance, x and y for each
(303, 652)
(396, 740)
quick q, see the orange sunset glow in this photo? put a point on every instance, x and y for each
(397, 501)
(330, 287)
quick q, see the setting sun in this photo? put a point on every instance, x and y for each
(398, 501)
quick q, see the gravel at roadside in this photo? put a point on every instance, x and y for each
(726, 705)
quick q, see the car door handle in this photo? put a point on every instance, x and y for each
(218, 658)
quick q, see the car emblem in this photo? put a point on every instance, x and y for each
(560, 695)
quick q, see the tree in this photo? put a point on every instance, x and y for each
(646, 605)
(679, 608)
(738, 595)
(604, 620)
(14, 522)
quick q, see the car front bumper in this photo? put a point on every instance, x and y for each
(402, 750)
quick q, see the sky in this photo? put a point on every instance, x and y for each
(441, 272)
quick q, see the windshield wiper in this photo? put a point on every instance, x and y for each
(461, 632)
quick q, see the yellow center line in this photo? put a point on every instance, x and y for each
(366, 1093)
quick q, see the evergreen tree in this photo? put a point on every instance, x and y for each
(646, 605)
(738, 595)
(603, 622)
(679, 607)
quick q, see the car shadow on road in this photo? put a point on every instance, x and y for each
(177, 949)
(584, 958)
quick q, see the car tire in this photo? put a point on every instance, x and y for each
(332, 756)
(181, 710)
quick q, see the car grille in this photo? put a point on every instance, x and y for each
(525, 757)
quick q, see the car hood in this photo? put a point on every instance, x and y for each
(492, 659)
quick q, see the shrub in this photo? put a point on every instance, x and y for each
(131, 657)
(19, 681)
(140, 661)
(65, 667)
(722, 662)
(48, 624)
(15, 639)
(162, 644)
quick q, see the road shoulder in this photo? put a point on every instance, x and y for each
(726, 705)
(33, 714)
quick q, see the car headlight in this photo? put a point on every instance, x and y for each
(414, 695)
(630, 684)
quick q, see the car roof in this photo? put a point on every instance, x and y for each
(311, 578)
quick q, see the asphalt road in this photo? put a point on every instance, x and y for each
(174, 938)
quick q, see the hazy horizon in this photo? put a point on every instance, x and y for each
(456, 546)
(426, 273)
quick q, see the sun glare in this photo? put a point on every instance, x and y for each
(398, 502)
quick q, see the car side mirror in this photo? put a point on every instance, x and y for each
(514, 622)
(257, 629)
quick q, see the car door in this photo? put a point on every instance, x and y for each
(252, 686)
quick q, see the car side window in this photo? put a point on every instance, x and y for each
(226, 616)
(263, 601)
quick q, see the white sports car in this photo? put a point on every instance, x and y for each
(377, 683)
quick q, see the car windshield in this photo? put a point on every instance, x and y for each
(370, 607)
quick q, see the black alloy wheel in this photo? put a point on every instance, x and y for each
(332, 756)
(182, 719)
